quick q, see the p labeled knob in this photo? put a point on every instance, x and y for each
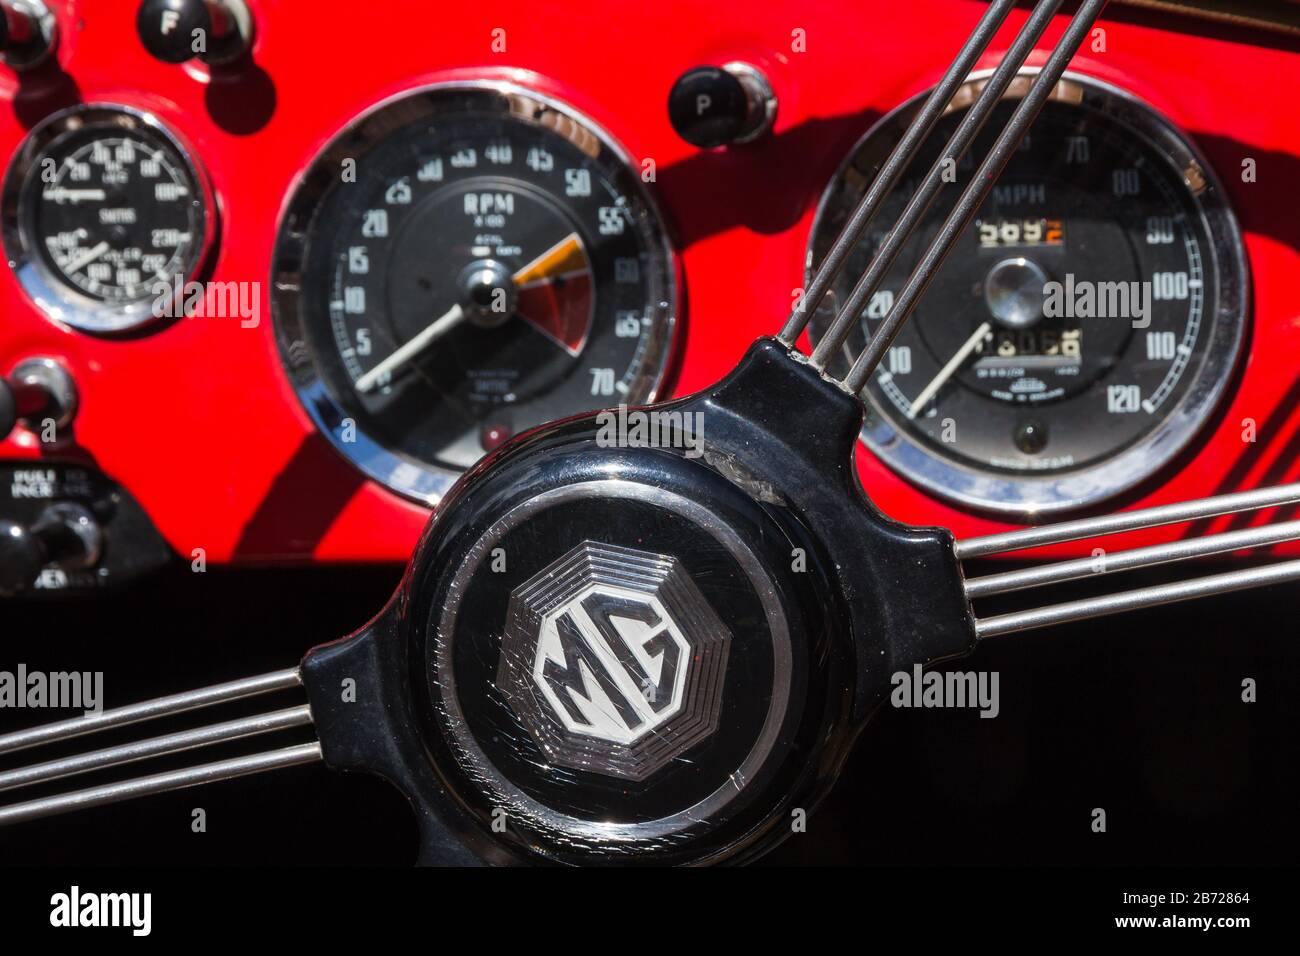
(215, 31)
(711, 106)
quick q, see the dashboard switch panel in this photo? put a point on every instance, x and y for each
(67, 529)
(65, 536)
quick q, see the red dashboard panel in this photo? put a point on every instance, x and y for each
(197, 419)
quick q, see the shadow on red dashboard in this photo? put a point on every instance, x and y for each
(241, 99)
(766, 187)
(41, 91)
(301, 505)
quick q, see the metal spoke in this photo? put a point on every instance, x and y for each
(158, 746)
(973, 196)
(161, 783)
(150, 709)
(1078, 568)
(902, 154)
(1128, 521)
(972, 122)
(155, 747)
(1140, 598)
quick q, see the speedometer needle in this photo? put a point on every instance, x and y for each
(947, 371)
(86, 258)
(550, 262)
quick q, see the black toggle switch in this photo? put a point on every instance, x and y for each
(37, 390)
(65, 535)
(215, 31)
(28, 30)
(713, 106)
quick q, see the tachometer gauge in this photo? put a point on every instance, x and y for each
(461, 264)
(1084, 327)
(105, 215)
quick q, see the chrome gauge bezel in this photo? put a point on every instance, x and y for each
(50, 293)
(422, 481)
(1030, 498)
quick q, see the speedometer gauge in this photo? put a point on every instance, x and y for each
(1083, 328)
(461, 264)
(105, 215)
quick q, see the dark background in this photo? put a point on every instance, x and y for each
(1139, 714)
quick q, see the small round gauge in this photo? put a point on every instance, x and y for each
(105, 216)
(461, 264)
(1083, 328)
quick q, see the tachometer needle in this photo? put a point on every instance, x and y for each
(947, 371)
(444, 323)
(86, 258)
(553, 261)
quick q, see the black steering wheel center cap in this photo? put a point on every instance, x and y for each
(619, 662)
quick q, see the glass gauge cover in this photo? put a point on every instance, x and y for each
(105, 216)
(1083, 328)
(459, 265)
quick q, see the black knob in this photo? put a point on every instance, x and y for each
(27, 32)
(215, 31)
(713, 106)
(65, 535)
(21, 558)
(8, 409)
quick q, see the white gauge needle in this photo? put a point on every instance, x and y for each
(448, 320)
(539, 268)
(947, 371)
(86, 258)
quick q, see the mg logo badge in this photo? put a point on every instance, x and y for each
(613, 660)
(611, 663)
